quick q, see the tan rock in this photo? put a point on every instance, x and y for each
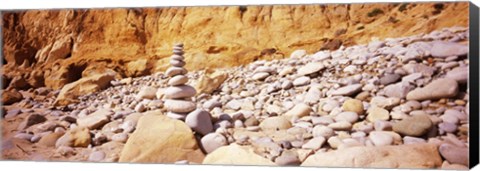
(404, 156)
(275, 123)
(137, 68)
(376, 113)
(210, 81)
(300, 110)
(159, 139)
(76, 137)
(50, 139)
(236, 155)
(60, 49)
(95, 120)
(353, 105)
(87, 85)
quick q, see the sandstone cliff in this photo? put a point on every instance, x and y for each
(54, 47)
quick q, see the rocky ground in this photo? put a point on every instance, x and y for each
(401, 102)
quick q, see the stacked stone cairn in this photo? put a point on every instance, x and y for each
(178, 95)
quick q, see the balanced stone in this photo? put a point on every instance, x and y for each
(177, 80)
(172, 71)
(177, 63)
(177, 92)
(177, 57)
(179, 106)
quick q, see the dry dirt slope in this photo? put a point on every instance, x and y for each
(62, 46)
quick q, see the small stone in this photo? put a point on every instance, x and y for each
(414, 126)
(275, 123)
(347, 90)
(380, 138)
(459, 74)
(251, 121)
(376, 113)
(413, 140)
(314, 144)
(300, 110)
(200, 121)
(301, 81)
(347, 116)
(24, 136)
(353, 105)
(147, 92)
(341, 126)
(323, 131)
(288, 158)
(212, 141)
(96, 156)
(95, 120)
(122, 137)
(260, 76)
(389, 79)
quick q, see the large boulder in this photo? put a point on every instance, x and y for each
(160, 139)
(84, 86)
(420, 155)
(236, 155)
(210, 81)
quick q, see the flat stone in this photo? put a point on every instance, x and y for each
(172, 71)
(177, 80)
(399, 90)
(389, 79)
(314, 144)
(440, 88)
(310, 68)
(121, 137)
(178, 92)
(386, 103)
(441, 49)
(415, 126)
(260, 76)
(147, 92)
(299, 110)
(180, 106)
(177, 63)
(347, 90)
(341, 126)
(301, 81)
(95, 120)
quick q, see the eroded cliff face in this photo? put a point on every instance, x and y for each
(54, 47)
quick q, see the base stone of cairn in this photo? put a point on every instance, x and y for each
(178, 95)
